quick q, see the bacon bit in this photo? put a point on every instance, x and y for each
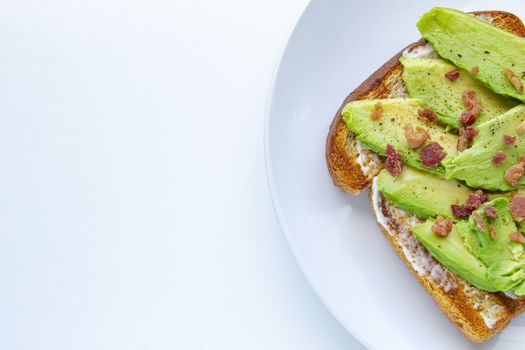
(476, 110)
(517, 237)
(473, 110)
(471, 133)
(499, 157)
(474, 70)
(509, 140)
(469, 97)
(415, 139)
(471, 102)
(432, 154)
(476, 199)
(442, 226)
(514, 173)
(453, 75)
(517, 207)
(479, 221)
(378, 111)
(394, 162)
(514, 80)
(427, 113)
(492, 231)
(467, 118)
(491, 211)
(462, 142)
(520, 129)
(466, 134)
(460, 211)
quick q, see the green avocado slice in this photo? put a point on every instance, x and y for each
(475, 165)
(388, 129)
(425, 79)
(423, 194)
(452, 252)
(468, 42)
(504, 258)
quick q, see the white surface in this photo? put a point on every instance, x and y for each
(134, 209)
(336, 45)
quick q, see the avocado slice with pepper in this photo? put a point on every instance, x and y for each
(425, 79)
(476, 166)
(377, 133)
(421, 193)
(470, 42)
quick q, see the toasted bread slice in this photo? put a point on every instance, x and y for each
(352, 166)
(479, 314)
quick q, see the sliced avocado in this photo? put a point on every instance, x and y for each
(520, 289)
(475, 165)
(451, 252)
(388, 129)
(480, 242)
(425, 79)
(421, 193)
(504, 258)
(468, 42)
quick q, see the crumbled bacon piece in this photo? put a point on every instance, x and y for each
(474, 70)
(476, 199)
(432, 154)
(492, 231)
(517, 237)
(427, 113)
(469, 97)
(467, 118)
(453, 75)
(378, 111)
(509, 140)
(491, 211)
(476, 110)
(473, 110)
(499, 157)
(514, 173)
(514, 80)
(417, 138)
(466, 134)
(394, 162)
(479, 221)
(470, 132)
(463, 142)
(460, 211)
(471, 102)
(520, 129)
(442, 226)
(517, 207)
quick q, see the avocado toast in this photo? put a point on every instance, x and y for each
(414, 117)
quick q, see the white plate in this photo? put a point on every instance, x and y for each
(336, 45)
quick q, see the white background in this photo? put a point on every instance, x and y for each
(134, 210)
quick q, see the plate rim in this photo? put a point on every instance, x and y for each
(270, 178)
